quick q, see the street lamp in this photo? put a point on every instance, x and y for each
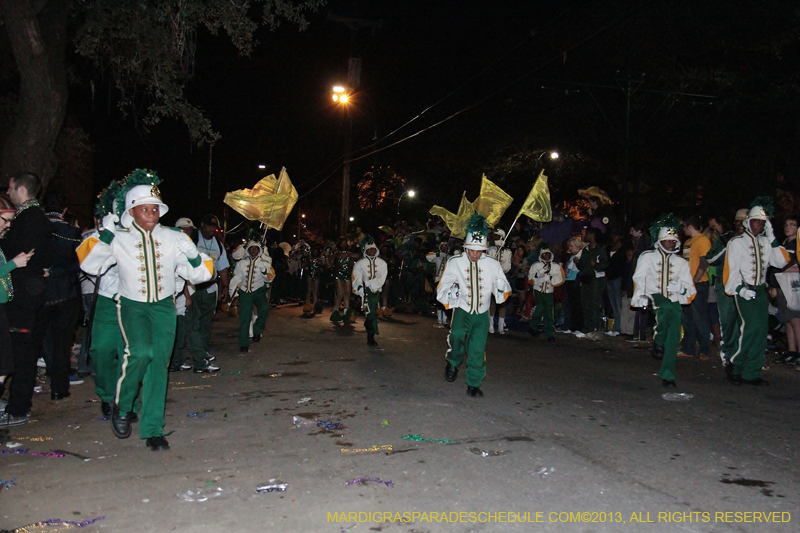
(410, 195)
(262, 167)
(341, 97)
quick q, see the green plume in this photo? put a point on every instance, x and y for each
(105, 200)
(767, 203)
(477, 224)
(137, 177)
(664, 221)
(366, 241)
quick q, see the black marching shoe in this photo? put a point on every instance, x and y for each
(256, 338)
(758, 382)
(244, 349)
(551, 339)
(450, 373)
(669, 383)
(736, 379)
(105, 408)
(657, 351)
(120, 424)
(533, 332)
(59, 395)
(208, 369)
(157, 443)
(474, 392)
(371, 340)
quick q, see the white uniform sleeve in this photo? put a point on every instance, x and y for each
(731, 274)
(684, 278)
(501, 289)
(95, 254)
(639, 298)
(448, 286)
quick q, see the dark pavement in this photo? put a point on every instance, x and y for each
(577, 426)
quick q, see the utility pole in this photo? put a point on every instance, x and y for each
(353, 81)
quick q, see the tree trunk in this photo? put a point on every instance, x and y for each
(38, 40)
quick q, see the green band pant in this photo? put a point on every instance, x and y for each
(468, 333)
(667, 333)
(148, 331)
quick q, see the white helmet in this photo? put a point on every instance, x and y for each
(757, 213)
(500, 236)
(668, 234)
(142, 195)
(475, 241)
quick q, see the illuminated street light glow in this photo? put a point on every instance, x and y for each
(553, 155)
(343, 99)
(262, 167)
(338, 89)
(411, 194)
(352, 219)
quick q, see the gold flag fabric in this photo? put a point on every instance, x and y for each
(596, 192)
(492, 202)
(270, 201)
(456, 222)
(537, 204)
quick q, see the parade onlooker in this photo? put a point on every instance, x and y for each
(784, 281)
(640, 241)
(207, 294)
(7, 214)
(60, 314)
(591, 272)
(616, 269)
(573, 315)
(696, 325)
(31, 231)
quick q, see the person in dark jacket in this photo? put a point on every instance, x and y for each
(61, 312)
(31, 230)
(592, 274)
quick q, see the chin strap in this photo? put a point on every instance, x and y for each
(667, 251)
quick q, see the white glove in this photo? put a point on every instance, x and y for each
(186, 246)
(110, 222)
(452, 295)
(768, 231)
(675, 287)
(747, 294)
(642, 302)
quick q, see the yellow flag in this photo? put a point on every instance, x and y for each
(270, 201)
(492, 202)
(537, 204)
(456, 222)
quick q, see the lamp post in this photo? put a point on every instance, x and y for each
(552, 154)
(341, 97)
(410, 195)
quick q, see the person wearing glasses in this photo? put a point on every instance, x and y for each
(7, 214)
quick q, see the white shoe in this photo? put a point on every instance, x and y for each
(564, 331)
(501, 331)
(580, 334)
(491, 328)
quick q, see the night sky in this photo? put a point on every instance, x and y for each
(523, 75)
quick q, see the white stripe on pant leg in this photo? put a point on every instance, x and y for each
(741, 329)
(126, 352)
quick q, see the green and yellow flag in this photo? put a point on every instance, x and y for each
(537, 204)
(492, 202)
(270, 201)
(456, 222)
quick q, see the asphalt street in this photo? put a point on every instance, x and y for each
(570, 436)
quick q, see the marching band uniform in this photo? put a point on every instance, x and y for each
(746, 261)
(369, 275)
(251, 277)
(503, 256)
(147, 263)
(467, 286)
(544, 275)
(662, 277)
(439, 260)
